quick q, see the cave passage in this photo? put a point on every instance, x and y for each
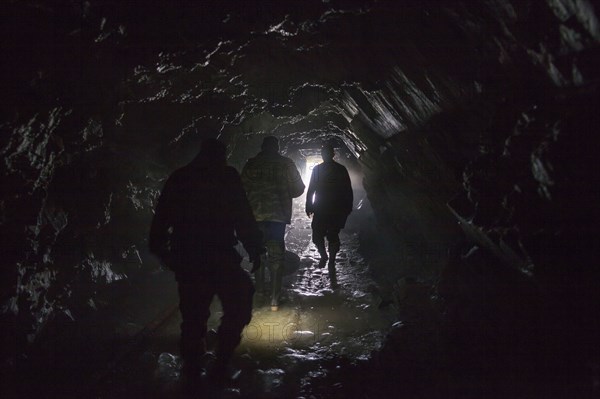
(469, 265)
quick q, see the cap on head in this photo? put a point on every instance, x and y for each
(327, 151)
(270, 143)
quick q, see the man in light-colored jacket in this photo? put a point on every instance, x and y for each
(271, 182)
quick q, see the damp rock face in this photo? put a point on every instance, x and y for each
(466, 120)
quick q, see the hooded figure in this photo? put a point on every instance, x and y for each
(271, 181)
(201, 214)
(329, 198)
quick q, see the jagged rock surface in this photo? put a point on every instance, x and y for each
(491, 106)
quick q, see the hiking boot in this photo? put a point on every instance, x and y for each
(218, 375)
(323, 260)
(333, 280)
(332, 273)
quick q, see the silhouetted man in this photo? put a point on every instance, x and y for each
(201, 213)
(271, 181)
(329, 198)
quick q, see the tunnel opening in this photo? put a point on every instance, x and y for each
(312, 159)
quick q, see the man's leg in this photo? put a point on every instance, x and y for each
(274, 236)
(235, 290)
(259, 275)
(195, 296)
(276, 251)
(318, 238)
(333, 240)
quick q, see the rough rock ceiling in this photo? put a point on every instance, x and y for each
(103, 99)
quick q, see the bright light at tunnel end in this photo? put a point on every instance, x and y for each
(311, 162)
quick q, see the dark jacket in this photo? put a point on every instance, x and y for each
(271, 181)
(332, 191)
(202, 209)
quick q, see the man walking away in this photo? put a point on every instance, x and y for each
(271, 181)
(329, 198)
(201, 213)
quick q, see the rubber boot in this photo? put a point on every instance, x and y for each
(276, 281)
(192, 350)
(276, 264)
(333, 250)
(324, 257)
(219, 374)
(259, 276)
(332, 272)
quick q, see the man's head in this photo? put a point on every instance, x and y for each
(213, 151)
(270, 143)
(327, 152)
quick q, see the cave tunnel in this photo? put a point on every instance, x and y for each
(469, 130)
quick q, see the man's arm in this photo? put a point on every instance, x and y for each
(295, 184)
(347, 192)
(244, 223)
(158, 238)
(310, 192)
(245, 177)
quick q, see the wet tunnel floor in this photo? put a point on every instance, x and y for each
(298, 351)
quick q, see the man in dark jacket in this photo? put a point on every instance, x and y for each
(271, 181)
(329, 198)
(201, 213)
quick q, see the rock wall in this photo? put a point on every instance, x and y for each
(487, 107)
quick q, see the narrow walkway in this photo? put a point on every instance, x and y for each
(295, 352)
